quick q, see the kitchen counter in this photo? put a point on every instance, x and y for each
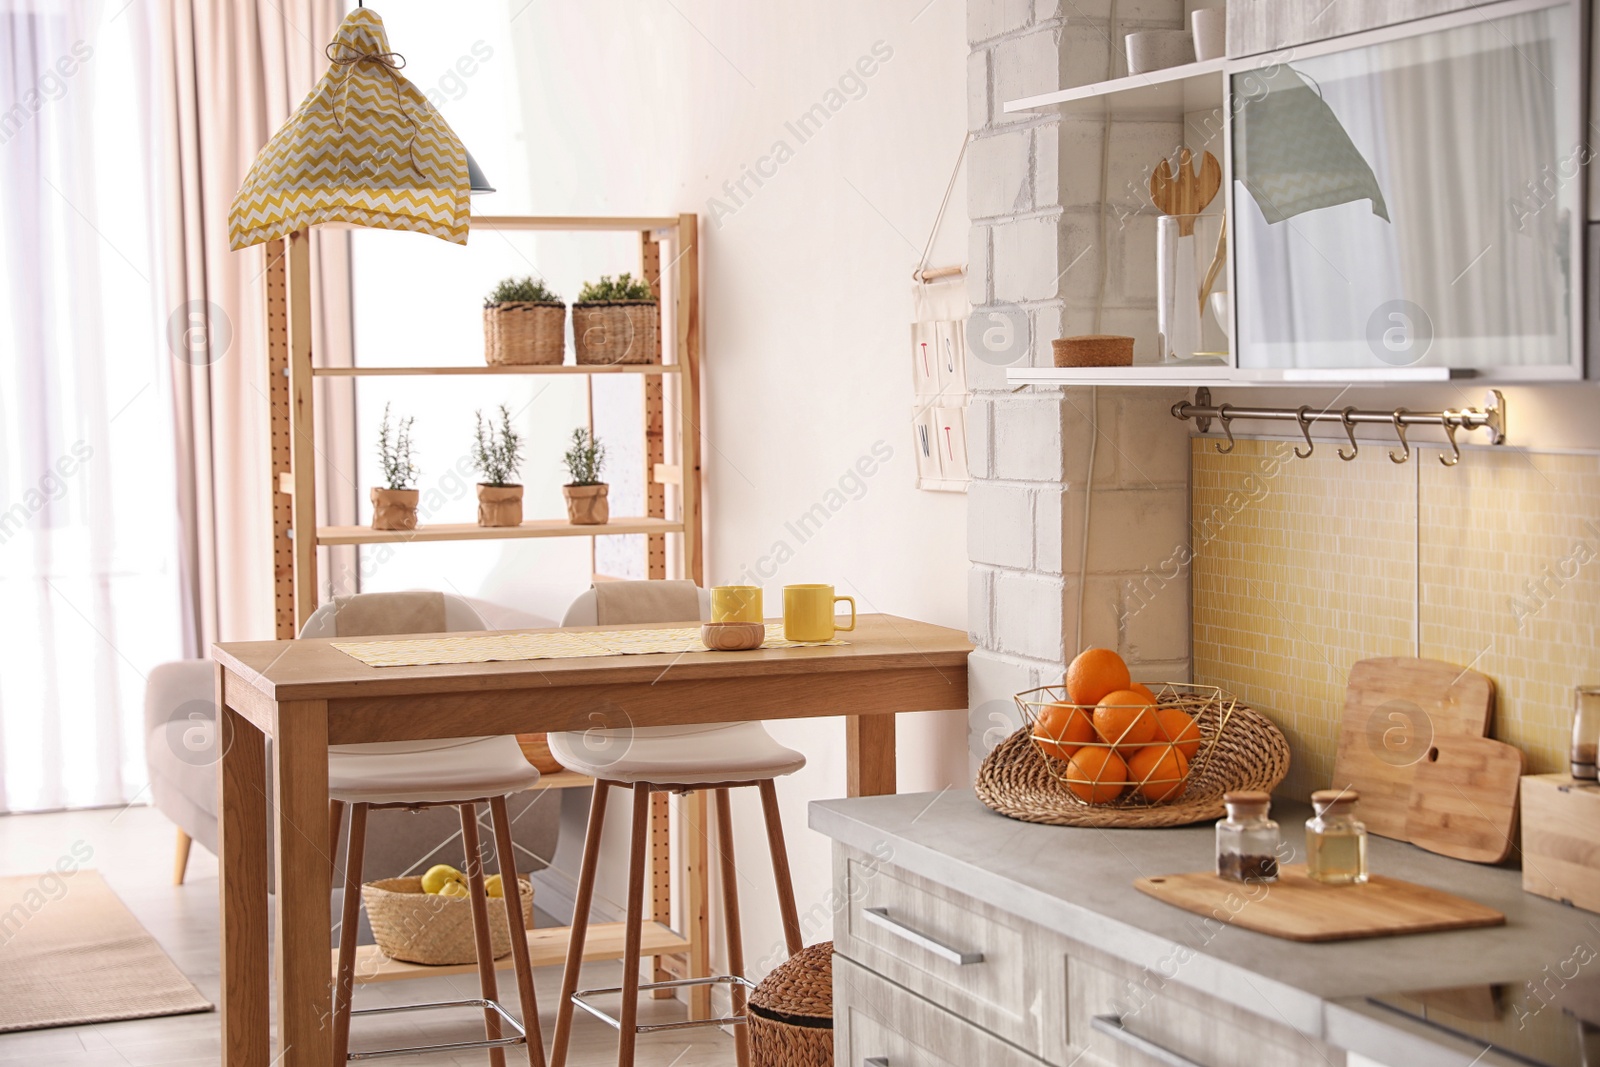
(1078, 882)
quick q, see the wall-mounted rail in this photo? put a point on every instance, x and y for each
(1490, 417)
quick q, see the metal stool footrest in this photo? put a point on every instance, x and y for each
(645, 987)
(519, 1037)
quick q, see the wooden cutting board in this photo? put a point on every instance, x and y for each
(1296, 908)
(1464, 799)
(1394, 708)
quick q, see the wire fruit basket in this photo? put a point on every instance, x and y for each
(1058, 770)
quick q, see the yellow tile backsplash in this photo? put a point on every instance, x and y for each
(1303, 566)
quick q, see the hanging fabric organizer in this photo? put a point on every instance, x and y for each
(365, 148)
(939, 365)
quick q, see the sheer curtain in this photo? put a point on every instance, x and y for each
(88, 576)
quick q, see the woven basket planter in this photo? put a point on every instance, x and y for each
(419, 927)
(791, 1012)
(1240, 749)
(522, 333)
(621, 331)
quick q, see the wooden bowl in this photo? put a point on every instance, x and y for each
(733, 636)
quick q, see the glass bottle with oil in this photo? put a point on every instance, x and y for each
(1336, 841)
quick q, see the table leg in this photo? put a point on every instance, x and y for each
(869, 755)
(697, 909)
(242, 877)
(300, 789)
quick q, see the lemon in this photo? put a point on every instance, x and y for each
(453, 889)
(492, 886)
(440, 876)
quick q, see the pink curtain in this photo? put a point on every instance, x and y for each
(221, 77)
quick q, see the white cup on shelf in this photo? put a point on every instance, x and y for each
(1210, 25)
(1151, 50)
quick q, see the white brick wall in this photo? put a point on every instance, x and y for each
(1033, 183)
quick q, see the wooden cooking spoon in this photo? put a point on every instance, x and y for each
(1190, 192)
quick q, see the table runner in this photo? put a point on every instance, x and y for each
(565, 644)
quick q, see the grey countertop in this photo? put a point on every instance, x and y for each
(1079, 882)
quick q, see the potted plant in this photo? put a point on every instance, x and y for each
(497, 452)
(394, 506)
(524, 322)
(585, 492)
(617, 322)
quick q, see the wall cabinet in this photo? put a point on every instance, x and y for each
(1404, 197)
(929, 977)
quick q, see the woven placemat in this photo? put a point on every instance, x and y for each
(562, 644)
(1016, 780)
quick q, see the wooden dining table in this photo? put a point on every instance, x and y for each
(307, 695)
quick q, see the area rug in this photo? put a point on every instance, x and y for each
(72, 953)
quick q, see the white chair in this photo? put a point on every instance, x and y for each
(716, 756)
(461, 772)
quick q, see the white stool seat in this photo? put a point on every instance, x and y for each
(447, 771)
(677, 755)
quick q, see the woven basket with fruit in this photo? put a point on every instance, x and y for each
(429, 919)
(1103, 750)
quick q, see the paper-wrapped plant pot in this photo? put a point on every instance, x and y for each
(1093, 350)
(587, 504)
(365, 148)
(499, 505)
(395, 509)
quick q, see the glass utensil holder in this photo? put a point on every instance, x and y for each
(1191, 262)
(1247, 841)
(1585, 731)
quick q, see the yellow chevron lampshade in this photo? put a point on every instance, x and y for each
(365, 148)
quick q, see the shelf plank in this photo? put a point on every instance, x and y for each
(562, 368)
(1192, 376)
(366, 535)
(547, 947)
(573, 223)
(1191, 87)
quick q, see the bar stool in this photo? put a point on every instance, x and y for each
(461, 773)
(719, 757)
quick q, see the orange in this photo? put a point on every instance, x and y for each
(1094, 673)
(1157, 771)
(1174, 724)
(1143, 690)
(1062, 729)
(1125, 719)
(1096, 775)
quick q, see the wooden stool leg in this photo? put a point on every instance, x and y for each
(480, 929)
(780, 866)
(180, 861)
(730, 922)
(349, 924)
(634, 932)
(580, 923)
(503, 846)
(335, 821)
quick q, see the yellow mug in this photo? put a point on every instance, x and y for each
(808, 613)
(736, 603)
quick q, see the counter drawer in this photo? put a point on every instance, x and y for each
(1165, 1024)
(990, 968)
(879, 1024)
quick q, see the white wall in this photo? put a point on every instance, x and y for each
(632, 107)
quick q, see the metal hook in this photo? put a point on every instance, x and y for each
(1455, 449)
(1305, 430)
(1227, 428)
(1400, 429)
(1350, 432)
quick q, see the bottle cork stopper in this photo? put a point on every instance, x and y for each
(1247, 799)
(1334, 799)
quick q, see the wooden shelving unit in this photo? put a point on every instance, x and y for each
(292, 370)
(671, 408)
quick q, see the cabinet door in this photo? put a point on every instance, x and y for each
(879, 1024)
(1256, 26)
(1414, 202)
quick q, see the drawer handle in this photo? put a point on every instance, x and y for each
(1111, 1025)
(875, 1061)
(880, 917)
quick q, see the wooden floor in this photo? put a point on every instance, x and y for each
(133, 852)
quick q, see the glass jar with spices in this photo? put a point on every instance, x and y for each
(1336, 841)
(1247, 841)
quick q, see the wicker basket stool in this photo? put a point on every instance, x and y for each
(790, 1014)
